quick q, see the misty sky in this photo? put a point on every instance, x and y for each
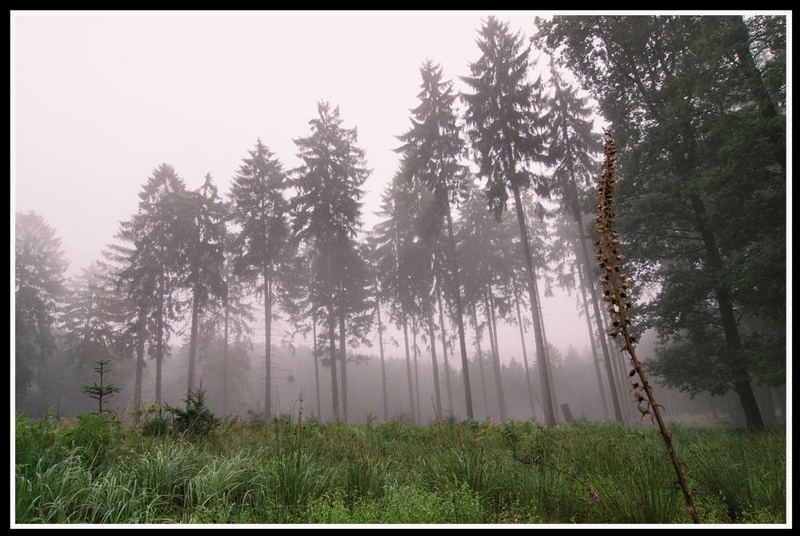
(99, 100)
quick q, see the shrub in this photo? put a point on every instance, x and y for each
(196, 420)
(92, 437)
(156, 426)
(256, 419)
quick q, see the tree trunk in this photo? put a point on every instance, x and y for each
(547, 402)
(572, 194)
(498, 379)
(595, 357)
(193, 338)
(316, 362)
(100, 395)
(159, 339)
(601, 333)
(225, 356)
(408, 368)
(343, 352)
(268, 349)
(551, 369)
(436, 393)
(733, 358)
(444, 353)
(383, 363)
(480, 360)
(332, 336)
(416, 370)
(141, 335)
(524, 354)
(334, 380)
(459, 315)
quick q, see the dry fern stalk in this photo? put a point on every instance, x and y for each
(616, 293)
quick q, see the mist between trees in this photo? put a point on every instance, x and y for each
(489, 207)
(293, 374)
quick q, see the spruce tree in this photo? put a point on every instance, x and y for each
(432, 150)
(395, 236)
(327, 215)
(505, 131)
(150, 267)
(39, 267)
(572, 145)
(202, 234)
(264, 245)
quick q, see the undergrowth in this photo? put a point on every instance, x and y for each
(94, 471)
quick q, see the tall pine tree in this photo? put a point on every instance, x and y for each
(327, 217)
(505, 131)
(264, 245)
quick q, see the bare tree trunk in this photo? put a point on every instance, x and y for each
(589, 285)
(480, 360)
(225, 364)
(459, 315)
(444, 352)
(551, 368)
(316, 362)
(547, 402)
(437, 394)
(160, 338)
(193, 338)
(141, 335)
(601, 333)
(383, 363)
(268, 349)
(416, 372)
(595, 357)
(498, 379)
(343, 350)
(332, 339)
(408, 368)
(524, 354)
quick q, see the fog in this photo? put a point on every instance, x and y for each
(99, 100)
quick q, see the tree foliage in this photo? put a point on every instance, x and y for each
(702, 189)
(39, 267)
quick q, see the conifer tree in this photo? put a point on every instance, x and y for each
(264, 245)
(378, 294)
(571, 146)
(505, 131)
(102, 390)
(327, 214)
(89, 317)
(203, 233)
(432, 150)
(395, 238)
(39, 267)
(150, 266)
(489, 275)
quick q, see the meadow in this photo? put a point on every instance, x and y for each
(94, 470)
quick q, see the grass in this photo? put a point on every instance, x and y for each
(471, 472)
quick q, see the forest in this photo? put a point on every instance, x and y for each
(250, 351)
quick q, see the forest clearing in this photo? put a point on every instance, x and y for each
(473, 472)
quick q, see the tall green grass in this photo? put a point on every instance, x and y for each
(472, 472)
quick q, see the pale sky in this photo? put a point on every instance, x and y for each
(99, 100)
